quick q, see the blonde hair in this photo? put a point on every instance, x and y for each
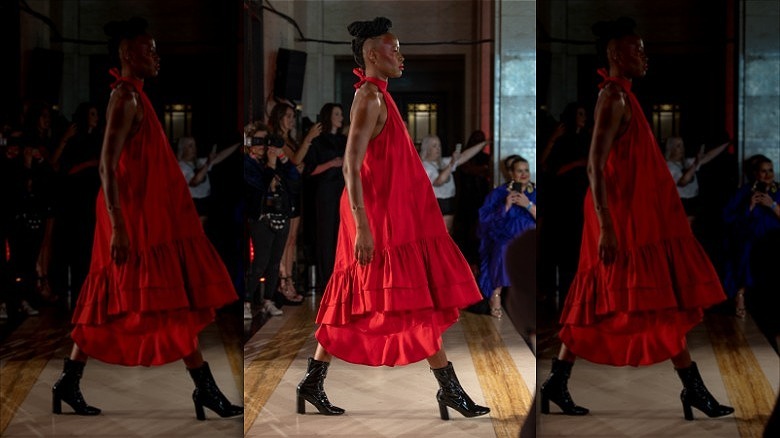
(670, 142)
(184, 141)
(427, 144)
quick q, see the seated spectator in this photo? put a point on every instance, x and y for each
(440, 169)
(752, 215)
(196, 172)
(509, 210)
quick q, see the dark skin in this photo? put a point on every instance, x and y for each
(124, 115)
(383, 60)
(627, 59)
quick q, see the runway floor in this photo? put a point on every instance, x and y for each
(136, 401)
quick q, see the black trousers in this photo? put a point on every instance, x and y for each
(268, 247)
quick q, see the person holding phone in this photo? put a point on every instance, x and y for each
(196, 172)
(751, 215)
(508, 211)
(440, 172)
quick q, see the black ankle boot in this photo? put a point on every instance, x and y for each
(556, 389)
(67, 390)
(452, 394)
(695, 394)
(310, 389)
(207, 394)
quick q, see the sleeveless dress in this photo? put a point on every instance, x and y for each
(150, 310)
(638, 310)
(394, 310)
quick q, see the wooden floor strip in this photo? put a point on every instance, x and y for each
(505, 391)
(263, 374)
(749, 390)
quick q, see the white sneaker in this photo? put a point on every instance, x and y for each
(28, 309)
(247, 310)
(3, 311)
(269, 308)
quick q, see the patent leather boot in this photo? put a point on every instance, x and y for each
(207, 394)
(452, 395)
(556, 389)
(67, 390)
(695, 394)
(311, 389)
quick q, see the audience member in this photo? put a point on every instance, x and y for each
(752, 214)
(440, 170)
(325, 182)
(508, 211)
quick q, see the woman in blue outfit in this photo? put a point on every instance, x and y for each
(508, 211)
(751, 215)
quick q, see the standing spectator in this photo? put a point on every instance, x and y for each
(196, 172)
(509, 210)
(326, 180)
(440, 170)
(269, 180)
(282, 123)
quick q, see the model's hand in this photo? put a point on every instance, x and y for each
(120, 245)
(607, 245)
(364, 247)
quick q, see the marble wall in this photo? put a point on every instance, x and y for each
(760, 69)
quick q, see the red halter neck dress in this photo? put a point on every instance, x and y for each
(394, 310)
(150, 310)
(638, 310)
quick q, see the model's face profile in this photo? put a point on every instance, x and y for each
(141, 56)
(630, 56)
(385, 56)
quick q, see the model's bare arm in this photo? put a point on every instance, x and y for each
(366, 109)
(610, 111)
(122, 111)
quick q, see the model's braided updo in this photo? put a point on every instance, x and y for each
(122, 30)
(610, 30)
(363, 30)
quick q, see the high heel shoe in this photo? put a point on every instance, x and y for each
(287, 289)
(207, 394)
(556, 389)
(452, 395)
(311, 389)
(67, 390)
(695, 394)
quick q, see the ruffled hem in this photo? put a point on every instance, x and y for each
(146, 339)
(638, 310)
(632, 338)
(180, 274)
(150, 310)
(393, 311)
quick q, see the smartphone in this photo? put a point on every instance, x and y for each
(458, 147)
(214, 149)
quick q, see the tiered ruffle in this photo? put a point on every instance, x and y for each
(150, 310)
(638, 310)
(394, 310)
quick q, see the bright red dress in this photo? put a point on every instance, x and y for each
(150, 310)
(394, 310)
(638, 310)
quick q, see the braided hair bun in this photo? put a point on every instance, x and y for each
(605, 31)
(363, 30)
(122, 30)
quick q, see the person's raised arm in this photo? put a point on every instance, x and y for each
(471, 152)
(610, 110)
(709, 155)
(122, 111)
(224, 153)
(366, 109)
